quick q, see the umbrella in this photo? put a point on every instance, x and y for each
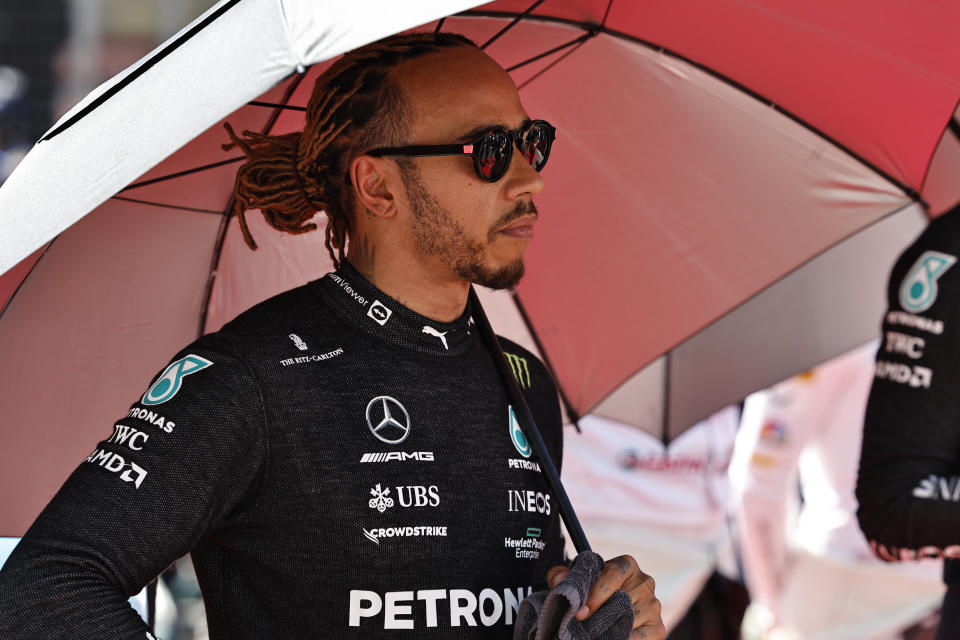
(694, 177)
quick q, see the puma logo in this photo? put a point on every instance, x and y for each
(436, 334)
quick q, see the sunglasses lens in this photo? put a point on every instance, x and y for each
(536, 145)
(493, 155)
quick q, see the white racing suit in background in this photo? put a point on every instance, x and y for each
(665, 506)
(810, 571)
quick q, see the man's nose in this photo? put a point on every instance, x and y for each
(521, 178)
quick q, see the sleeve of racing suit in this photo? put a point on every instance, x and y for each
(908, 485)
(170, 473)
(776, 426)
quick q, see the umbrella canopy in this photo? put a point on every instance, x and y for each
(697, 169)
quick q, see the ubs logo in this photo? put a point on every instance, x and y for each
(407, 496)
(388, 420)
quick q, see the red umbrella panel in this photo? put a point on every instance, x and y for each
(677, 199)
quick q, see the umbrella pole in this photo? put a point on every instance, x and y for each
(152, 603)
(528, 425)
(572, 414)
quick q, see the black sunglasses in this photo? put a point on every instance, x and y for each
(493, 150)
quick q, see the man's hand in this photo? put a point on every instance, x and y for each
(622, 573)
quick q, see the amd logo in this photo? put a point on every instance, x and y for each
(115, 463)
(917, 377)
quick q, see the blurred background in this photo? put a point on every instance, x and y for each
(52, 54)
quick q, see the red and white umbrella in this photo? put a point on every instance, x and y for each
(729, 186)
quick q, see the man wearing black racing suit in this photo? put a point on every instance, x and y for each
(909, 480)
(341, 460)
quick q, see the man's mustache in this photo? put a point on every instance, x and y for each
(520, 210)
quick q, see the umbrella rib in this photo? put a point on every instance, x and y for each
(606, 14)
(228, 211)
(13, 295)
(909, 191)
(512, 24)
(440, 24)
(953, 127)
(276, 105)
(665, 425)
(550, 66)
(571, 410)
(139, 71)
(180, 174)
(575, 41)
(166, 206)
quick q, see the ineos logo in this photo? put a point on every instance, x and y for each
(388, 420)
(529, 501)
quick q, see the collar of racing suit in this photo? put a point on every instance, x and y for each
(375, 312)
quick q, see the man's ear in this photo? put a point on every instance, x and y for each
(369, 177)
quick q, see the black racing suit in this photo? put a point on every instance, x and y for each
(909, 480)
(338, 465)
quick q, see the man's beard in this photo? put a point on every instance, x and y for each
(439, 235)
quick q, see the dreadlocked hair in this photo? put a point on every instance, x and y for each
(354, 107)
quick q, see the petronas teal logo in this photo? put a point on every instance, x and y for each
(918, 291)
(168, 384)
(516, 434)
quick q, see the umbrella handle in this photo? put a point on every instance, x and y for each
(528, 425)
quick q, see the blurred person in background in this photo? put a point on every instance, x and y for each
(809, 569)
(909, 478)
(31, 34)
(42, 52)
(668, 507)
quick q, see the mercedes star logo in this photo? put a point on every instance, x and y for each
(388, 420)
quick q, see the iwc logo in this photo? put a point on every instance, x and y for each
(918, 291)
(516, 434)
(388, 420)
(169, 382)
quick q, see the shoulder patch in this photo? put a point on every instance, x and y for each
(918, 291)
(170, 381)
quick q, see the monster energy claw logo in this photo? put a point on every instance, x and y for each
(168, 384)
(520, 370)
(918, 291)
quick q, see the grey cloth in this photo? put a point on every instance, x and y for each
(547, 615)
